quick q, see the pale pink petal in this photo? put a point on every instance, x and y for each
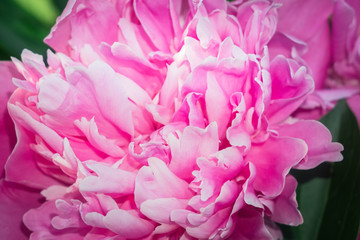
(157, 181)
(83, 22)
(194, 143)
(109, 94)
(127, 225)
(90, 130)
(39, 221)
(109, 180)
(217, 105)
(210, 227)
(159, 210)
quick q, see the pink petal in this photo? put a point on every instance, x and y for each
(156, 21)
(250, 225)
(318, 140)
(157, 181)
(290, 86)
(285, 206)
(211, 226)
(272, 166)
(84, 22)
(194, 143)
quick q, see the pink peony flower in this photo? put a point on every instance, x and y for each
(346, 38)
(163, 120)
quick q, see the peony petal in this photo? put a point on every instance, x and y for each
(156, 21)
(83, 22)
(318, 140)
(7, 133)
(159, 210)
(285, 206)
(15, 200)
(194, 143)
(272, 166)
(111, 96)
(109, 180)
(39, 221)
(157, 181)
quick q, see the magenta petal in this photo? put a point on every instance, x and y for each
(15, 200)
(250, 225)
(22, 167)
(290, 86)
(7, 133)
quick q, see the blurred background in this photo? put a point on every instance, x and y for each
(25, 23)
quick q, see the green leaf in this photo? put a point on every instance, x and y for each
(22, 26)
(43, 10)
(341, 218)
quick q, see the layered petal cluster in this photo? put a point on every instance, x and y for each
(164, 120)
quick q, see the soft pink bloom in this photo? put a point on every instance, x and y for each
(163, 120)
